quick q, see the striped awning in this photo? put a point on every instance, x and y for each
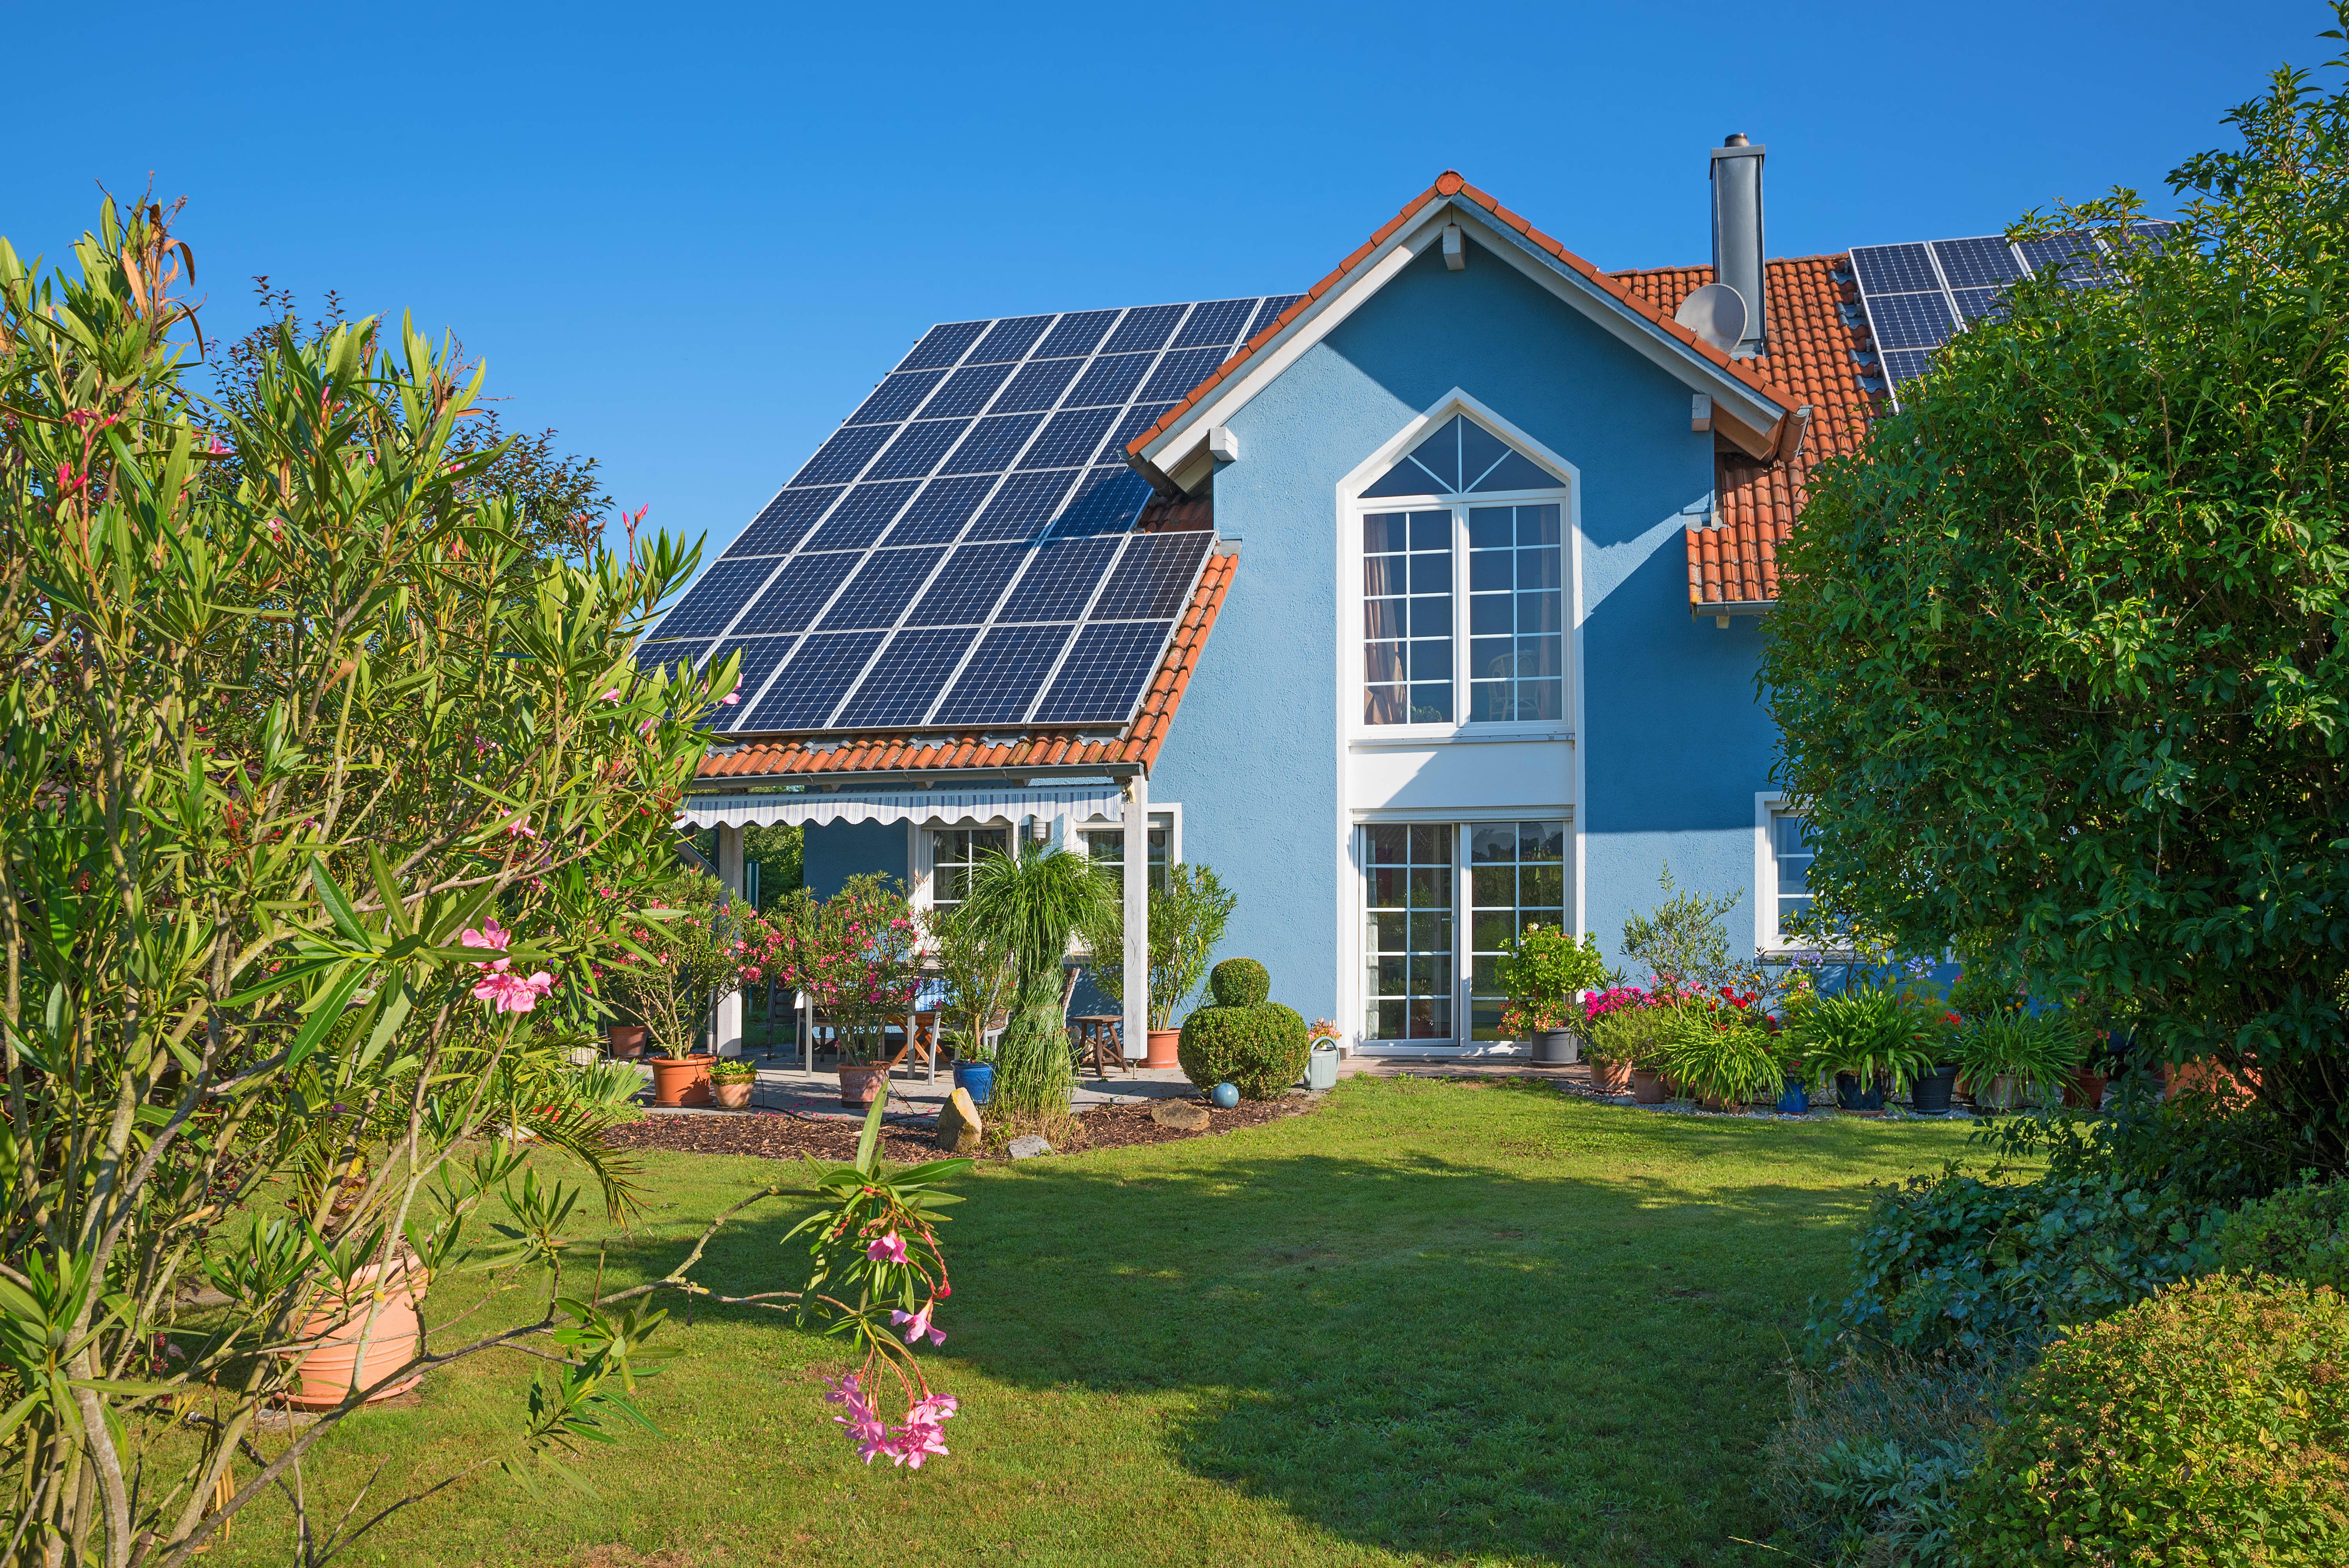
(821, 806)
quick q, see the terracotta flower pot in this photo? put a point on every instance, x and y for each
(860, 1086)
(1163, 1044)
(385, 1319)
(734, 1096)
(1714, 1102)
(2083, 1089)
(681, 1081)
(628, 1040)
(1610, 1077)
(1647, 1087)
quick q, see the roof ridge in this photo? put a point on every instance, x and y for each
(1448, 184)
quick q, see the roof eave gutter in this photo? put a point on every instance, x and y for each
(1721, 611)
(911, 781)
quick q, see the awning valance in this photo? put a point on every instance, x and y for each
(1094, 802)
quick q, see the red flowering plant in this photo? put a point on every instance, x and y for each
(671, 968)
(855, 956)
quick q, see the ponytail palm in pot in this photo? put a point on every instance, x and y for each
(1036, 901)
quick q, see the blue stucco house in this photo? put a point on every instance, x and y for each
(1421, 605)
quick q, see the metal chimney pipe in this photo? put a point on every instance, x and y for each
(1737, 233)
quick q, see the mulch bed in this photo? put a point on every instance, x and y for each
(780, 1135)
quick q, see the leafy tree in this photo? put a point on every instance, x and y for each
(2060, 662)
(321, 795)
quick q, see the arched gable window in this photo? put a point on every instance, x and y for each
(1461, 459)
(1463, 600)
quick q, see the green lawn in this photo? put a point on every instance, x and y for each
(1430, 1323)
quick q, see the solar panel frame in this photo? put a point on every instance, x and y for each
(713, 602)
(1103, 673)
(981, 479)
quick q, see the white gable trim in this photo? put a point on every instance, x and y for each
(1176, 453)
(1370, 469)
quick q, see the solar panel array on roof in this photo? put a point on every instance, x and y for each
(961, 551)
(1917, 295)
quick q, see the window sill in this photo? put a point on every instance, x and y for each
(1416, 741)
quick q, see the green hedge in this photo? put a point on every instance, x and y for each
(2208, 1425)
(1240, 983)
(2302, 1233)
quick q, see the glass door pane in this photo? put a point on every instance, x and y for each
(1516, 878)
(1408, 933)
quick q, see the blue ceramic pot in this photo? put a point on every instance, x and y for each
(1224, 1095)
(1796, 1101)
(977, 1080)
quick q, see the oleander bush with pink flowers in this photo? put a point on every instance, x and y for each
(322, 791)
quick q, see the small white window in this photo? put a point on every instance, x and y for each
(1106, 847)
(1790, 855)
(954, 852)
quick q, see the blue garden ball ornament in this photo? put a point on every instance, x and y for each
(1224, 1095)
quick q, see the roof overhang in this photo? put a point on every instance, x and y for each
(819, 807)
(1176, 457)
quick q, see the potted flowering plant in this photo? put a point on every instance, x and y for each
(856, 956)
(1611, 1053)
(675, 967)
(732, 1080)
(1544, 976)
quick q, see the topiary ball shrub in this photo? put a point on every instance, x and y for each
(2205, 1425)
(1258, 1046)
(1240, 983)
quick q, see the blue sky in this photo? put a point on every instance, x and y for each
(689, 238)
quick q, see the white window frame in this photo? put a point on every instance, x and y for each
(1354, 664)
(923, 846)
(1463, 823)
(1768, 807)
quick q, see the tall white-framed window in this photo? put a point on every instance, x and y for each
(1464, 579)
(1430, 978)
(1782, 871)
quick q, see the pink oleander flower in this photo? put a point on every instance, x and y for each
(924, 1433)
(492, 935)
(731, 699)
(507, 992)
(919, 1324)
(612, 696)
(519, 829)
(864, 1425)
(889, 1249)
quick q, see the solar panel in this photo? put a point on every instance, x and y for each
(760, 658)
(962, 550)
(1000, 681)
(1101, 678)
(1917, 295)
(904, 680)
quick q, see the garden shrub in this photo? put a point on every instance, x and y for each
(2209, 1424)
(2130, 1202)
(2302, 1233)
(1240, 983)
(1256, 1046)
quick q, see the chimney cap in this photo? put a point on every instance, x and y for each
(1734, 139)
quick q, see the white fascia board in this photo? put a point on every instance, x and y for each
(1179, 448)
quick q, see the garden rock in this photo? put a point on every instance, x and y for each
(1182, 1115)
(958, 1124)
(1030, 1147)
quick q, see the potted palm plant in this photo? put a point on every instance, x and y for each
(1187, 918)
(856, 956)
(1038, 899)
(1544, 976)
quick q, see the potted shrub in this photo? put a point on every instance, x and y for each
(361, 1330)
(1187, 918)
(700, 947)
(732, 1080)
(856, 957)
(1608, 1029)
(1544, 976)
(2010, 1057)
(976, 969)
(1868, 1040)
